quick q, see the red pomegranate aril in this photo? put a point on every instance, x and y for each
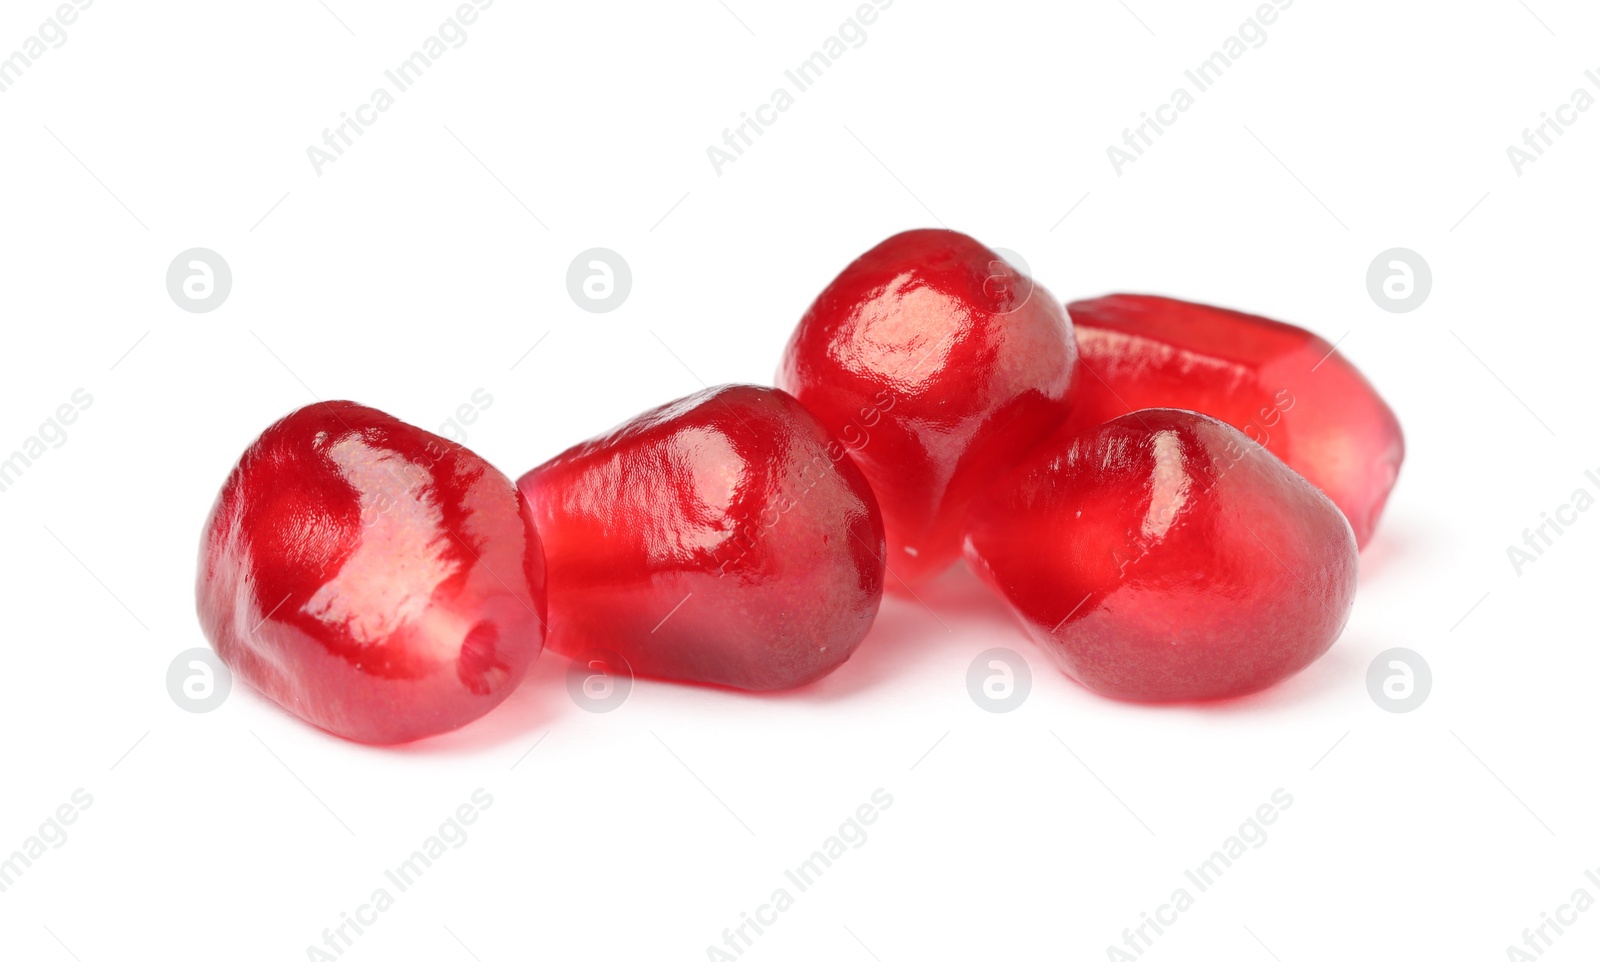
(938, 365)
(374, 579)
(1283, 386)
(1165, 556)
(725, 539)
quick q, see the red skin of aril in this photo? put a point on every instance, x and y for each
(724, 539)
(1164, 556)
(938, 365)
(1283, 386)
(378, 581)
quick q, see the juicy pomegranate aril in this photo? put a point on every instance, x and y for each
(376, 580)
(1283, 386)
(1165, 556)
(938, 364)
(725, 538)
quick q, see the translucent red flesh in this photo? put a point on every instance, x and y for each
(725, 538)
(376, 580)
(1283, 386)
(1164, 556)
(938, 365)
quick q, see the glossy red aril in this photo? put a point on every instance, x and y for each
(376, 580)
(724, 538)
(938, 365)
(1164, 556)
(1283, 386)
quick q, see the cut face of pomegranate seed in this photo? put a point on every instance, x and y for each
(1283, 386)
(1165, 556)
(725, 538)
(938, 365)
(376, 580)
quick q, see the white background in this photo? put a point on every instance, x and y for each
(423, 264)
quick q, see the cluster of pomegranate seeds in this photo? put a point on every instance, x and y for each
(1169, 496)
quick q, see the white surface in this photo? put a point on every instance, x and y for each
(406, 277)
